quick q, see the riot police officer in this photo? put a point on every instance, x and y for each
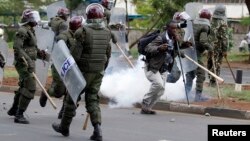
(25, 54)
(57, 89)
(91, 54)
(201, 27)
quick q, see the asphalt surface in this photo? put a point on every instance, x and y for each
(125, 124)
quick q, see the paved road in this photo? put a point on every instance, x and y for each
(118, 124)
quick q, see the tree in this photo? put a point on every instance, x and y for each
(159, 11)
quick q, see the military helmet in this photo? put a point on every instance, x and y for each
(95, 13)
(63, 12)
(107, 3)
(75, 22)
(177, 16)
(30, 16)
(205, 13)
(220, 11)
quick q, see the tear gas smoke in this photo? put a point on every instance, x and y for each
(128, 86)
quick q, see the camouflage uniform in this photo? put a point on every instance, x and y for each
(57, 88)
(201, 27)
(219, 40)
(91, 54)
(25, 47)
(58, 25)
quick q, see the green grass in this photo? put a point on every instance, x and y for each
(243, 95)
(10, 73)
(238, 57)
(229, 92)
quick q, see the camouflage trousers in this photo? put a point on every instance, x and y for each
(198, 73)
(217, 57)
(91, 90)
(57, 88)
(27, 86)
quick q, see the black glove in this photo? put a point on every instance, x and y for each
(182, 25)
(163, 48)
(42, 54)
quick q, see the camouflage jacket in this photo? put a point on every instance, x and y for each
(218, 36)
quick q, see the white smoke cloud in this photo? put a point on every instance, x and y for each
(128, 87)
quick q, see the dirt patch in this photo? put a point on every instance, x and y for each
(13, 81)
(242, 65)
(228, 103)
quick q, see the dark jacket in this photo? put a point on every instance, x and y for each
(160, 61)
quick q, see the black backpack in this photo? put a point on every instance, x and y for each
(145, 40)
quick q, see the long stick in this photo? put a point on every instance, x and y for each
(130, 63)
(40, 84)
(216, 81)
(211, 73)
(230, 69)
(179, 52)
(85, 122)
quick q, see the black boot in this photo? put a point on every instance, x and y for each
(19, 118)
(59, 129)
(13, 110)
(97, 134)
(43, 100)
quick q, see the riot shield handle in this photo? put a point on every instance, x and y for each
(40, 84)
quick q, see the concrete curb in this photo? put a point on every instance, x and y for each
(175, 107)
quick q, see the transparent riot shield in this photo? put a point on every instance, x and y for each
(191, 52)
(68, 70)
(193, 8)
(189, 36)
(118, 27)
(3, 57)
(53, 8)
(45, 40)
